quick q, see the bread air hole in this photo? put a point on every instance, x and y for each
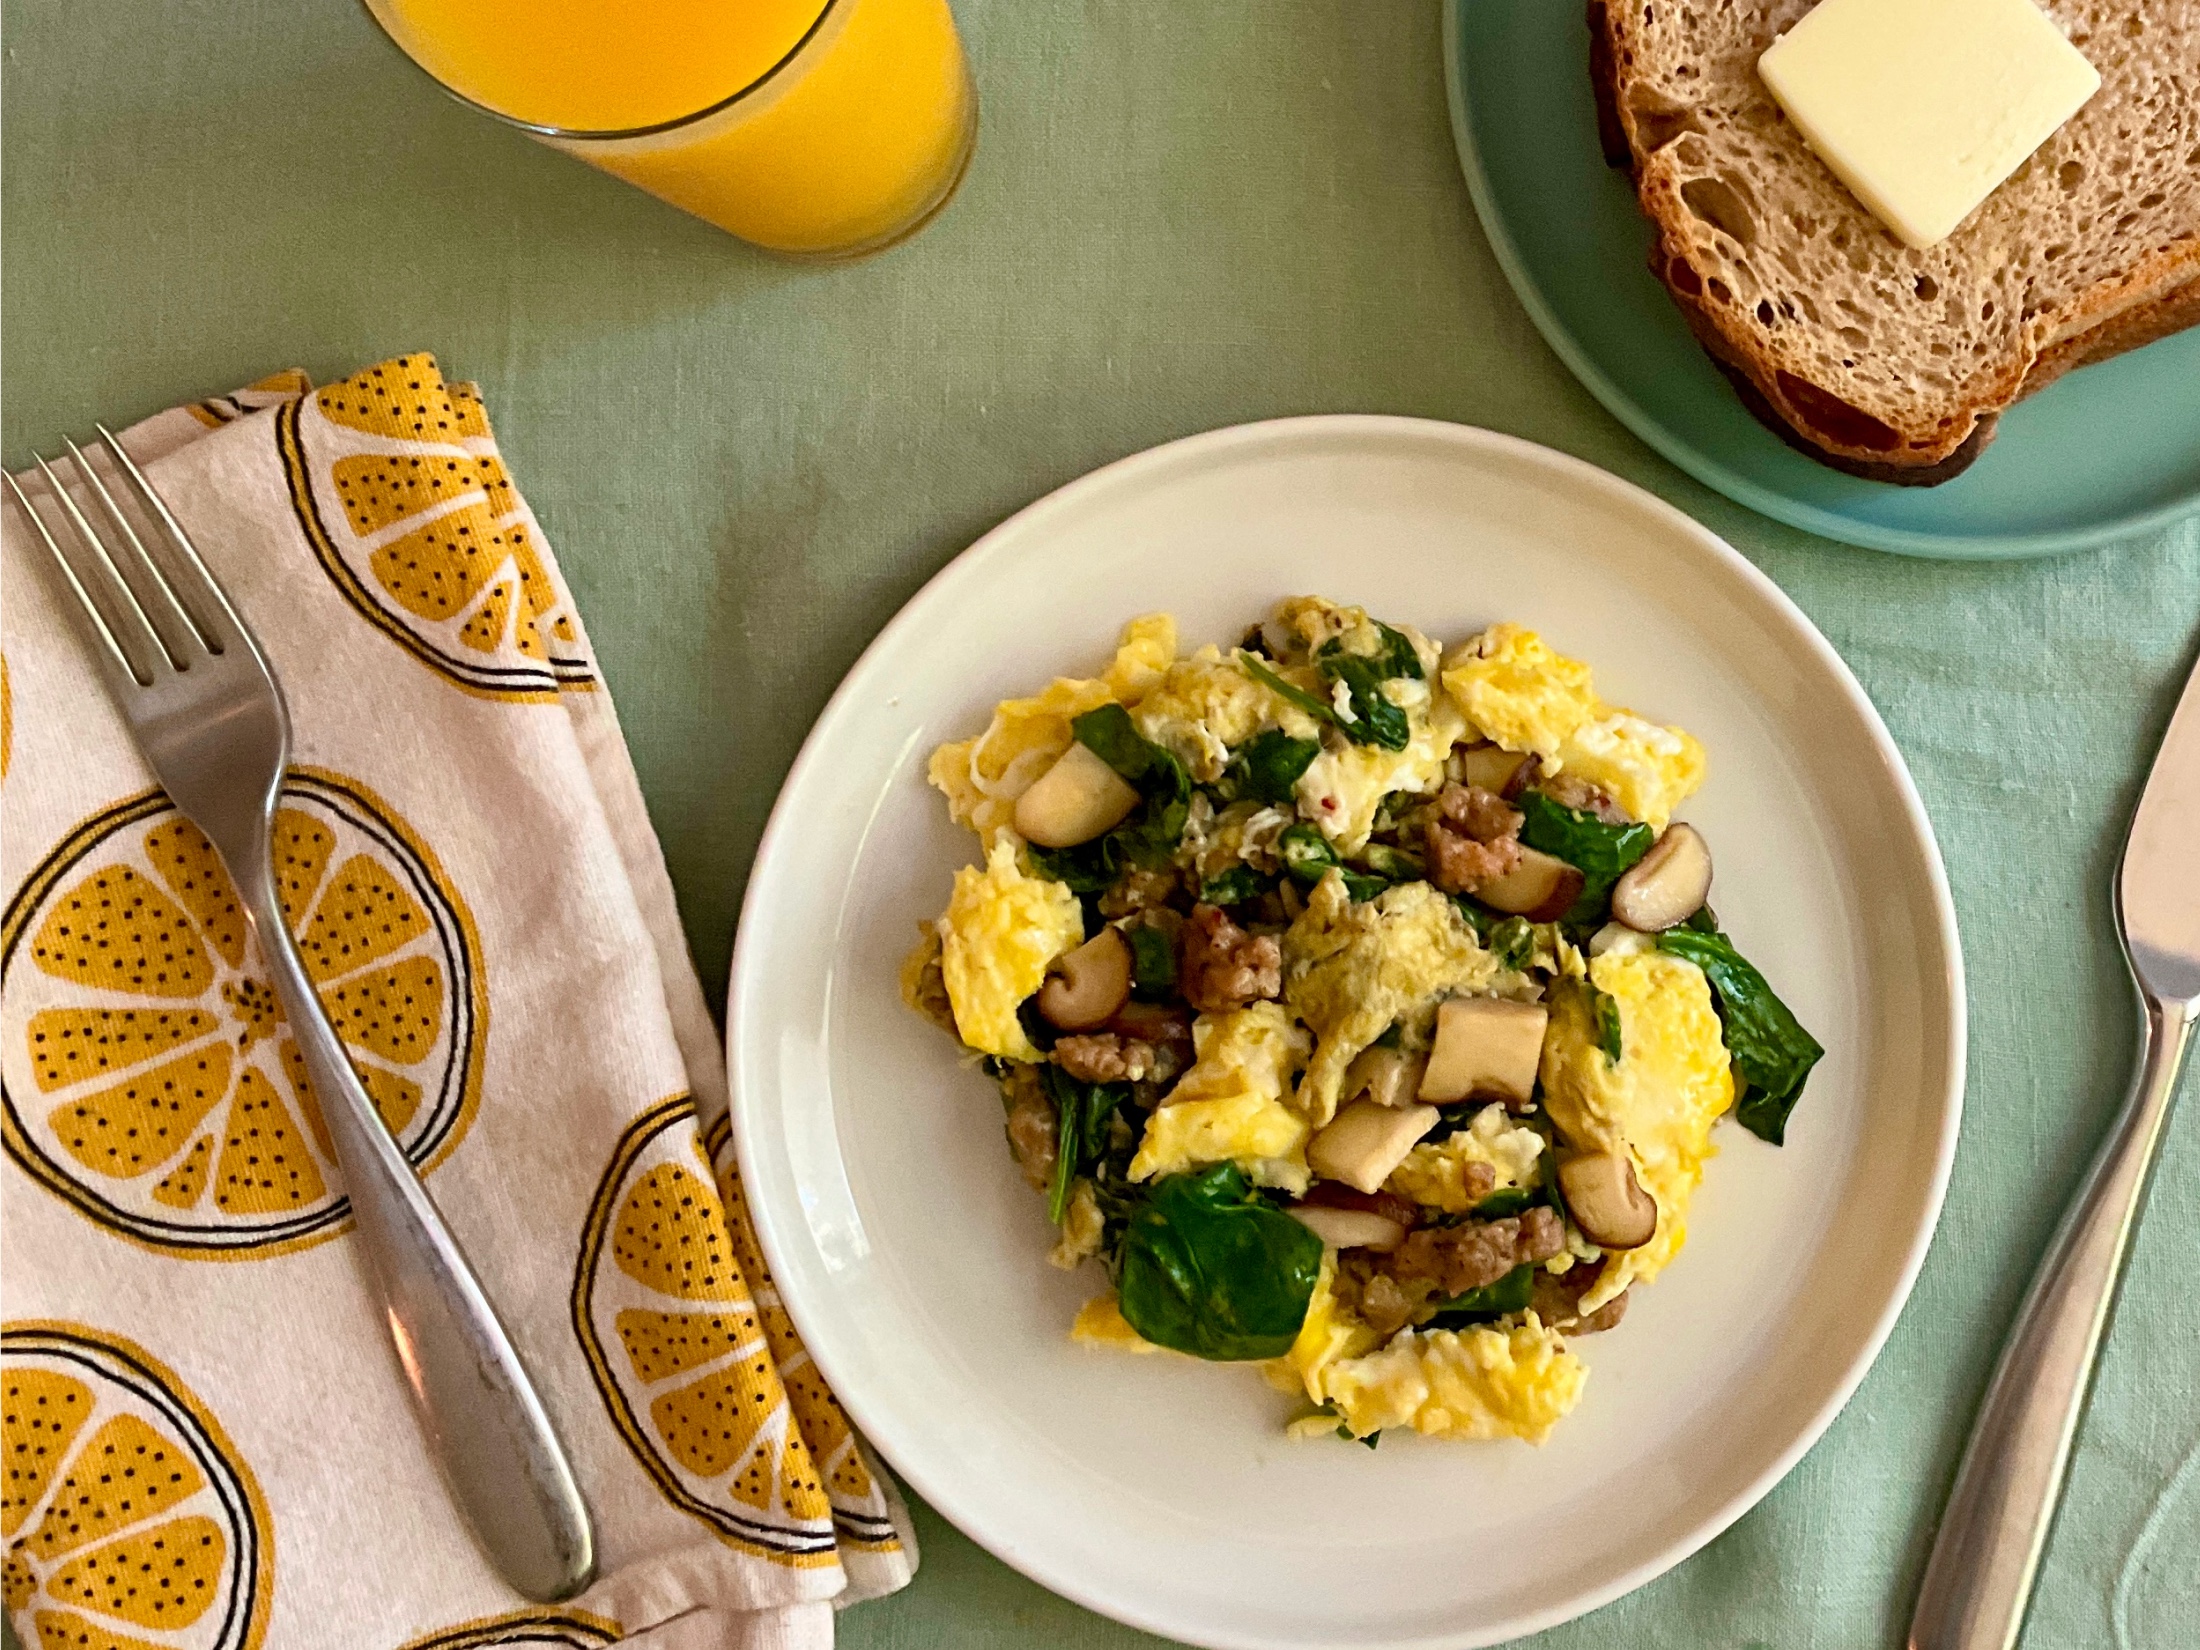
(1926, 288)
(1723, 205)
(2070, 174)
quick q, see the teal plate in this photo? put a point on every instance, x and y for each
(2103, 454)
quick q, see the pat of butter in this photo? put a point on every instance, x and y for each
(1923, 107)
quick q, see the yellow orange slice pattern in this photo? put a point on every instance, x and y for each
(679, 1350)
(395, 482)
(557, 1628)
(130, 1522)
(150, 1078)
(860, 1513)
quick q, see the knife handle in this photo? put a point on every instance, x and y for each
(1987, 1553)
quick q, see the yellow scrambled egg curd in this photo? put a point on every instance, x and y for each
(1518, 691)
(1434, 1173)
(1082, 1226)
(1100, 1322)
(1345, 785)
(1001, 929)
(1350, 970)
(1490, 1381)
(1647, 769)
(983, 777)
(1331, 1334)
(1672, 1081)
(1206, 704)
(1231, 1107)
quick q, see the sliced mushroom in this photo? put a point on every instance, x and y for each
(1499, 771)
(1349, 1228)
(1387, 1076)
(1077, 799)
(1364, 1142)
(1668, 885)
(1086, 986)
(1486, 1047)
(1606, 1200)
(1540, 888)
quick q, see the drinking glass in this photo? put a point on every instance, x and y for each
(817, 128)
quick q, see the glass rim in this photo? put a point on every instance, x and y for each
(579, 134)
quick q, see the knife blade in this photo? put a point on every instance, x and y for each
(1986, 1555)
(2158, 888)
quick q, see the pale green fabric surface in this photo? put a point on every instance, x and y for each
(1176, 220)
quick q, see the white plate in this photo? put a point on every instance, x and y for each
(1159, 1490)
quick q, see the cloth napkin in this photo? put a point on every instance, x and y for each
(208, 1445)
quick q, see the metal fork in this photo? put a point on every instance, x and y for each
(205, 709)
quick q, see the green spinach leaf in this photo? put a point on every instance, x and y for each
(1081, 1115)
(1153, 963)
(1510, 1293)
(1212, 1269)
(1235, 886)
(1604, 1007)
(1510, 1201)
(1512, 942)
(1601, 852)
(1376, 721)
(1266, 768)
(1772, 1052)
(1313, 704)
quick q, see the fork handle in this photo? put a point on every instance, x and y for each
(1979, 1578)
(485, 1424)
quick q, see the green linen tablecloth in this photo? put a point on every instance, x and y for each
(1177, 219)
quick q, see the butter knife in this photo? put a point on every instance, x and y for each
(1987, 1553)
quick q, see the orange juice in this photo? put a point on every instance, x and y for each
(825, 127)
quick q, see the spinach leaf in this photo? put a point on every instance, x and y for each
(1512, 942)
(1088, 868)
(1153, 963)
(1313, 704)
(1599, 851)
(1510, 1293)
(1510, 1201)
(1212, 1269)
(1398, 657)
(1081, 1114)
(1235, 886)
(1266, 768)
(1376, 720)
(1604, 1008)
(1772, 1052)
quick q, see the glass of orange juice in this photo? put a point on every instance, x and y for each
(818, 128)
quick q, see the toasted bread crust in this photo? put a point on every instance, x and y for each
(2155, 298)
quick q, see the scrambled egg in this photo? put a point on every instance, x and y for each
(1526, 697)
(1518, 691)
(1344, 786)
(1100, 1322)
(1082, 1226)
(1230, 1106)
(983, 777)
(1435, 1172)
(1001, 929)
(1244, 833)
(1207, 704)
(1646, 769)
(1673, 1080)
(1350, 970)
(1483, 1382)
(1331, 1334)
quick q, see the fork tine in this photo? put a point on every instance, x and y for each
(139, 568)
(218, 622)
(127, 624)
(111, 656)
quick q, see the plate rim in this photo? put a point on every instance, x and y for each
(971, 564)
(1695, 461)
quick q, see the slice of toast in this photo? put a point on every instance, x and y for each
(1878, 358)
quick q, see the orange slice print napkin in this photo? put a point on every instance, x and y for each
(208, 1445)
